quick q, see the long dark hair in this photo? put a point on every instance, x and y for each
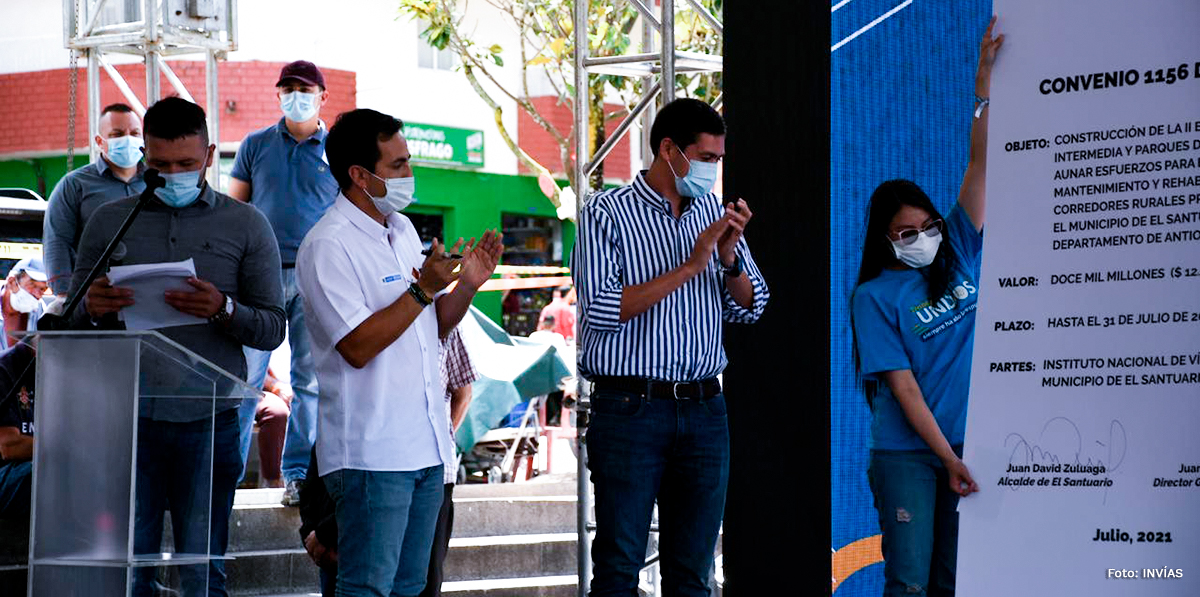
(877, 252)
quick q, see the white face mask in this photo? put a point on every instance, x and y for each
(298, 106)
(399, 195)
(22, 301)
(920, 252)
(125, 152)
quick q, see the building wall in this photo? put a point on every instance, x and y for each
(366, 37)
(34, 105)
(541, 146)
(369, 54)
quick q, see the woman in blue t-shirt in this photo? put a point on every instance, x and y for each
(913, 313)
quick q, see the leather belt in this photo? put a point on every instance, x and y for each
(654, 389)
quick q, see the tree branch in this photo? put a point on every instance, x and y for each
(498, 114)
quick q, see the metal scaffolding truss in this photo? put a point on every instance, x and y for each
(152, 30)
(656, 65)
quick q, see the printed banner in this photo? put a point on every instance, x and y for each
(433, 144)
(1085, 392)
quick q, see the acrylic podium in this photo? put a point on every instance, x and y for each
(99, 395)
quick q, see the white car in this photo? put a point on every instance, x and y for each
(21, 215)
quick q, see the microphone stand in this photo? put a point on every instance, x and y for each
(51, 322)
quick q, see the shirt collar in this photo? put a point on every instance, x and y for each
(643, 191)
(362, 221)
(208, 195)
(317, 137)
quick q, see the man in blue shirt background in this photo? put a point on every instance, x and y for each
(283, 172)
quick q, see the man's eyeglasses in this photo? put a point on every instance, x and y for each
(908, 236)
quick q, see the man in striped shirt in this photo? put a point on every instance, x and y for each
(659, 265)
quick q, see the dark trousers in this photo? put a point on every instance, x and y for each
(640, 451)
(441, 545)
(174, 460)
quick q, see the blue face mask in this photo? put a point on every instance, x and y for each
(124, 152)
(298, 106)
(699, 180)
(181, 189)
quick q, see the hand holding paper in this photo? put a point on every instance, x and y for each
(149, 282)
(202, 300)
(104, 298)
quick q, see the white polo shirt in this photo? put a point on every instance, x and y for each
(391, 414)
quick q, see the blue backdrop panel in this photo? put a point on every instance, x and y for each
(901, 107)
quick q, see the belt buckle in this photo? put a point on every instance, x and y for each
(675, 389)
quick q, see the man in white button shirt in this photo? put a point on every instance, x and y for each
(369, 296)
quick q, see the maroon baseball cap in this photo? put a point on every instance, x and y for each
(303, 71)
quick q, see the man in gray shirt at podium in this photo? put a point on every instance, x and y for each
(238, 295)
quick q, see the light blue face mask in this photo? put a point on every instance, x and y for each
(181, 190)
(124, 152)
(298, 106)
(699, 180)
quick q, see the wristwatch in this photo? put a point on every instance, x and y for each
(225, 314)
(734, 270)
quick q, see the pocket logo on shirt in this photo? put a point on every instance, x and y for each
(393, 278)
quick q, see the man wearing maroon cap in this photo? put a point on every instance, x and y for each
(282, 171)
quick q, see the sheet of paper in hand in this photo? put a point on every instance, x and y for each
(149, 281)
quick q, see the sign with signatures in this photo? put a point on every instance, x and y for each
(1083, 428)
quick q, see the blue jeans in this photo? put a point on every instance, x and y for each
(676, 451)
(918, 515)
(302, 422)
(15, 483)
(173, 465)
(386, 522)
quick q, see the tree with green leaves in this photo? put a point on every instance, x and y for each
(546, 49)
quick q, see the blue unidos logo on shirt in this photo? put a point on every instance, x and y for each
(936, 317)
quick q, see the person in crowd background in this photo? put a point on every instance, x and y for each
(459, 373)
(282, 170)
(271, 415)
(547, 333)
(18, 376)
(913, 315)
(116, 175)
(562, 313)
(21, 299)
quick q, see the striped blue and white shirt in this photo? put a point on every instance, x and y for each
(628, 236)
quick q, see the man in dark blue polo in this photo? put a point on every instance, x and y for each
(282, 171)
(116, 175)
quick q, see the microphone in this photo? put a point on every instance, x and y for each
(52, 322)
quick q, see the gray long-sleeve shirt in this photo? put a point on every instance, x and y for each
(233, 247)
(75, 198)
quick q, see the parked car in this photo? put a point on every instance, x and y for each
(21, 214)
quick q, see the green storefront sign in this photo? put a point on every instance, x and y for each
(431, 144)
